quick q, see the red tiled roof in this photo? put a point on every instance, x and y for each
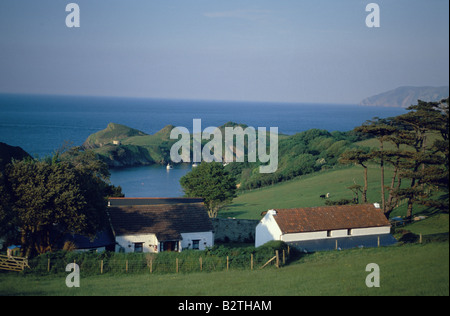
(167, 221)
(314, 219)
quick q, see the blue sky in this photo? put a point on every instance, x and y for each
(317, 51)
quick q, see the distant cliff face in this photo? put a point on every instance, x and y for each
(407, 96)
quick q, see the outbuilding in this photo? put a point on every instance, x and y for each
(327, 227)
(160, 224)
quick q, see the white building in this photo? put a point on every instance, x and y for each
(160, 224)
(325, 227)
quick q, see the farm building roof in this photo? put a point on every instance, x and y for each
(166, 218)
(314, 219)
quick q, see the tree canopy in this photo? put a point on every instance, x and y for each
(418, 154)
(42, 200)
(211, 182)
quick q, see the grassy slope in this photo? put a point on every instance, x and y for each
(135, 145)
(433, 225)
(305, 192)
(406, 270)
(112, 132)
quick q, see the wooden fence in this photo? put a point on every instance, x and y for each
(175, 264)
(12, 263)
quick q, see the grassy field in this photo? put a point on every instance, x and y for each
(412, 269)
(305, 191)
(404, 270)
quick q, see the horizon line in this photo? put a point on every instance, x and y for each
(31, 94)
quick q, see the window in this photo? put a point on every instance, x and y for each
(349, 232)
(196, 244)
(138, 247)
(328, 233)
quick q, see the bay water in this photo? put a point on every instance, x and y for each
(41, 124)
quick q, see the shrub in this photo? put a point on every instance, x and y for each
(213, 259)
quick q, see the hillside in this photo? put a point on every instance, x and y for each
(299, 154)
(304, 191)
(9, 153)
(113, 132)
(122, 146)
(406, 96)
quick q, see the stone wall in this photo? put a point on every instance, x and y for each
(234, 230)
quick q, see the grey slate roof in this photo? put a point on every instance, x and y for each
(166, 218)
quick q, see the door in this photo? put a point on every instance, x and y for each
(169, 246)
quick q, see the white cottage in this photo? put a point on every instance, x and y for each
(321, 228)
(160, 224)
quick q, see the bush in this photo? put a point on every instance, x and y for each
(213, 259)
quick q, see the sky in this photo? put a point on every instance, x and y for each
(312, 51)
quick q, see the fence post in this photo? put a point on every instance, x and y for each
(228, 263)
(201, 264)
(101, 267)
(284, 257)
(151, 265)
(420, 238)
(177, 264)
(48, 265)
(251, 262)
(378, 241)
(126, 266)
(278, 258)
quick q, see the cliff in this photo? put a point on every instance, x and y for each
(406, 96)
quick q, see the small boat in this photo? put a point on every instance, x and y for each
(169, 166)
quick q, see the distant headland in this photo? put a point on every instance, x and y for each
(122, 146)
(406, 96)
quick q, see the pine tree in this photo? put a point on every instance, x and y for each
(420, 167)
(359, 157)
(426, 162)
(381, 130)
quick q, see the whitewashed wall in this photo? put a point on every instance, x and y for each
(267, 230)
(371, 231)
(127, 242)
(206, 239)
(336, 233)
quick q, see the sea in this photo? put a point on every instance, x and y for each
(42, 124)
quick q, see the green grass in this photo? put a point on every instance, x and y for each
(305, 191)
(375, 144)
(404, 270)
(112, 132)
(436, 224)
